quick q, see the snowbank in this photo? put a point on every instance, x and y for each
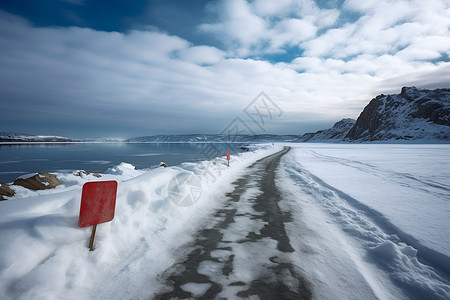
(44, 254)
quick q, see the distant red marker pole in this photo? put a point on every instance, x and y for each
(228, 157)
(98, 203)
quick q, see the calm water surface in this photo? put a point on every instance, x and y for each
(17, 160)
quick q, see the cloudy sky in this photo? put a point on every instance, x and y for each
(91, 68)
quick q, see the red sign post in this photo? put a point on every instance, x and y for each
(228, 157)
(98, 203)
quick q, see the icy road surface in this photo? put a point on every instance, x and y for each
(244, 251)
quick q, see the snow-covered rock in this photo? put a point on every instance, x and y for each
(5, 191)
(39, 181)
(121, 169)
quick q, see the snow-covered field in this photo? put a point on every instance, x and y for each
(386, 207)
(374, 220)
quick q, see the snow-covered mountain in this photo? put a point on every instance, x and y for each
(414, 114)
(11, 137)
(336, 133)
(214, 138)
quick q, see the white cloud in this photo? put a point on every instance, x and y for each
(83, 75)
(361, 6)
(239, 26)
(425, 48)
(329, 42)
(410, 30)
(269, 8)
(385, 27)
(325, 18)
(202, 55)
(291, 32)
(300, 9)
(262, 26)
(429, 76)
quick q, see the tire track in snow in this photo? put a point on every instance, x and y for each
(380, 172)
(421, 272)
(245, 251)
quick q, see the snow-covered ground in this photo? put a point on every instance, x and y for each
(44, 254)
(368, 221)
(386, 207)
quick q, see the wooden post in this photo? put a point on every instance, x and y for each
(91, 242)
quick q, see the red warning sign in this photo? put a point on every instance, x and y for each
(98, 202)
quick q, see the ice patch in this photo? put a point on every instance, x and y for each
(210, 268)
(196, 289)
(221, 255)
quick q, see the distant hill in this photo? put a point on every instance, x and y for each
(214, 138)
(12, 137)
(336, 133)
(413, 115)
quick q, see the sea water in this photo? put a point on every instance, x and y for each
(17, 160)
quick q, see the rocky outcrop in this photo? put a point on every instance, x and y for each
(368, 121)
(335, 133)
(5, 191)
(433, 109)
(40, 181)
(414, 114)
